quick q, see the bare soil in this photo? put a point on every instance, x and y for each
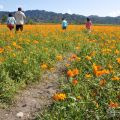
(36, 98)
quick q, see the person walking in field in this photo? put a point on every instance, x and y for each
(64, 24)
(88, 25)
(11, 22)
(20, 17)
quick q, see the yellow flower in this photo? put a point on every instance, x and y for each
(14, 44)
(77, 48)
(115, 78)
(88, 57)
(88, 76)
(118, 60)
(14, 55)
(25, 61)
(2, 60)
(117, 51)
(67, 65)
(59, 57)
(79, 97)
(78, 58)
(59, 97)
(44, 66)
(96, 104)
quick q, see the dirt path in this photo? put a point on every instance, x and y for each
(36, 97)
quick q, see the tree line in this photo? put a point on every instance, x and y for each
(42, 16)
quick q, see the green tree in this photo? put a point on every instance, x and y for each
(4, 19)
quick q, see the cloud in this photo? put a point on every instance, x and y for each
(115, 13)
(1, 7)
(69, 11)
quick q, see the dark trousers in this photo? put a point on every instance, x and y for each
(19, 27)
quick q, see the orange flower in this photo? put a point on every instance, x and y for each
(70, 73)
(118, 60)
(77, 48)
(75, 71)
(1, 50)
(96, 68)
(67, 65)
(59, 97)
(117, 51)
(44, 66)
(113, 105)
(115, 78)
(36, 42)
(98, 72)
(2, 60)
(14, 44)
(102, 72)
(102, 82)
(93, 53)
(75, 82)
(74, 56)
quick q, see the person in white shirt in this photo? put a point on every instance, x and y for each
(20, 17)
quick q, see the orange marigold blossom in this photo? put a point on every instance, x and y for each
(2, 60)
(117, 51)
(118, 60)
(102, 72)
(36, 42)
(59, 97)
(113, 105)
(115, 78)
(74, 56)
(67, 65)
(98, 71)
(75, 72)
(88, 58)
(14, 44)
(96, 67)
(102, 82)
(77, 48)
(44, 66)
(75, 82)
(1, 50)
(70, 73)
(59, 57)
(92, 53)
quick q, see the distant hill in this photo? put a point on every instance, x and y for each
(42, 16)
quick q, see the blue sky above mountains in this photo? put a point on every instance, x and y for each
(82, 7)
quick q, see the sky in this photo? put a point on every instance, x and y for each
(82, 7)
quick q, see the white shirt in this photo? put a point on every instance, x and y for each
(19, 16)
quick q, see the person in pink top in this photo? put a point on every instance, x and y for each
(88, 25)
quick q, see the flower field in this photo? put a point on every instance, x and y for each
(91, 88)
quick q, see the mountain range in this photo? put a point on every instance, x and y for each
(42, 16)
